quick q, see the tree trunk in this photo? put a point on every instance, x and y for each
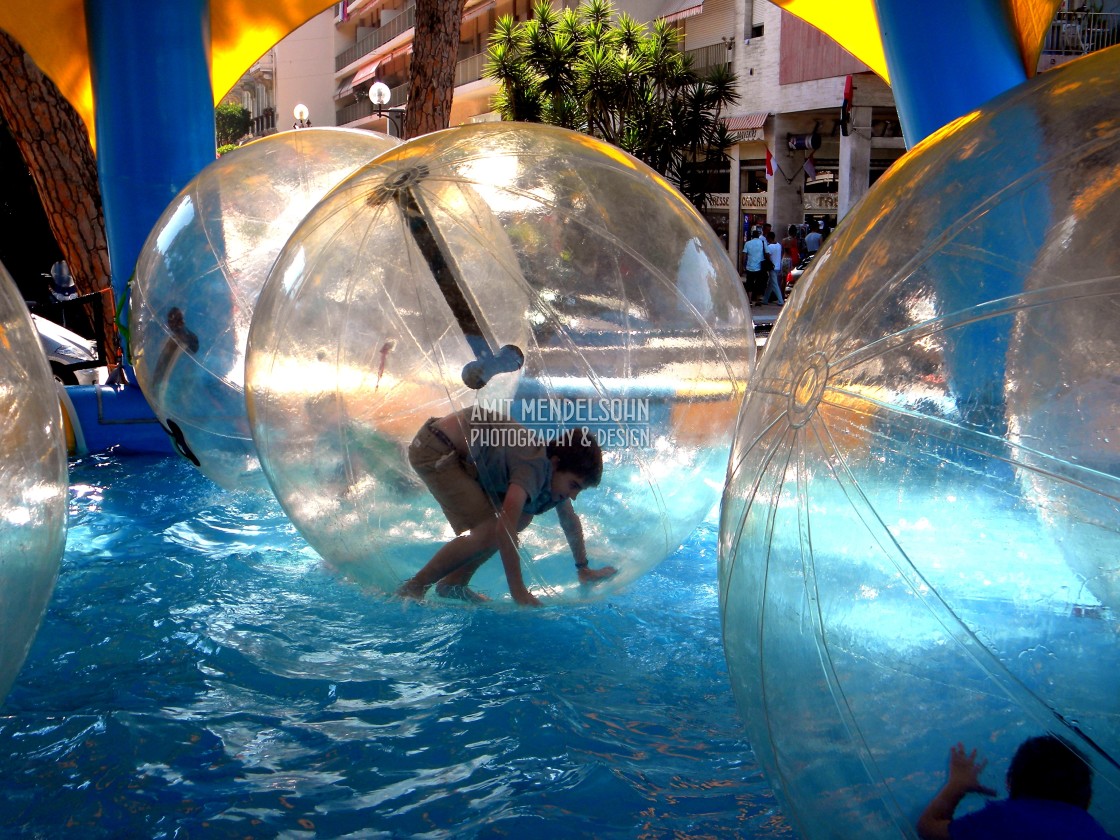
(53, 141)
(435, 50)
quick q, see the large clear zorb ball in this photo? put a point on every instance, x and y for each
(522, 270)
(199, 275)
(33, 475)
(919, 538)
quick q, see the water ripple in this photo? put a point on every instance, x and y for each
(201, 673)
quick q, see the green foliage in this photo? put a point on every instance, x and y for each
(231, 123)
(610, 76)
(228, 147)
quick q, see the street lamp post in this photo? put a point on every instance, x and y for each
(379, 95)
(302, 116)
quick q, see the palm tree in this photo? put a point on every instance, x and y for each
(614, 78)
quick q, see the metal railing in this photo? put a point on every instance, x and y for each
(1080, 33)
(704, 58)
(401, 23)
(470, 69)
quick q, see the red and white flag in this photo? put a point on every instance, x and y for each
(810, 168)
(769, 165)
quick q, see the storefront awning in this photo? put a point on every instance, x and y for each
(673, 10)
(749, 121)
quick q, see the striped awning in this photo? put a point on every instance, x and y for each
(679, 10)
(748, 121)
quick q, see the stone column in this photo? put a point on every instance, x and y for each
(785, 205)
(734, 217)
(855, 161)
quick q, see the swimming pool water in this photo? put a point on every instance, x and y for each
(201, 673)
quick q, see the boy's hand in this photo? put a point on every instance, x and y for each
(965, 770)
(588, 575)
(964, 778)
(526, 598)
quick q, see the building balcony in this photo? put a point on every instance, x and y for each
(363, 108)
(466, 71)
(264, 124)
(1080, 33)
(470, 69)
(266, 64)
(705, 58)
(403, 22)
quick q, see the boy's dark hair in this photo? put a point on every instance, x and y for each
(578, 452)
(1047, 768)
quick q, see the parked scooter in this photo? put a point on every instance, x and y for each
(795, 274)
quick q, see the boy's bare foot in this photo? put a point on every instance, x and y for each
(411, 589)
(589, 575)
(460, 592)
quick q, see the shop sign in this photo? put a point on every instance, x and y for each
(822, 202)
(752, 202)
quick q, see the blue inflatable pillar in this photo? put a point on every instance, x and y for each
(155, 112)
(150, 64)
(946, 58)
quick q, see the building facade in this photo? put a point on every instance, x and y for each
(791, 83)
(795, 162)
(798, 159)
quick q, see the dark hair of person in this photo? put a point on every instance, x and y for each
(1046, 767)
(577, 451)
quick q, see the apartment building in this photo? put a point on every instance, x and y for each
(795, 162)
(791, 83)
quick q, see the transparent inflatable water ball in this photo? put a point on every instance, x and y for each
(199, 275)
(522, 270)
(919, 542)
(33, 474)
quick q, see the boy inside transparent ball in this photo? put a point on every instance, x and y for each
(491, 476)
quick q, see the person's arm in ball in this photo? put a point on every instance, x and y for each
(512, 508)
(573, 531)
(964, 778)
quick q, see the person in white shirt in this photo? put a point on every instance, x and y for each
(774, 254)
(755, 250)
